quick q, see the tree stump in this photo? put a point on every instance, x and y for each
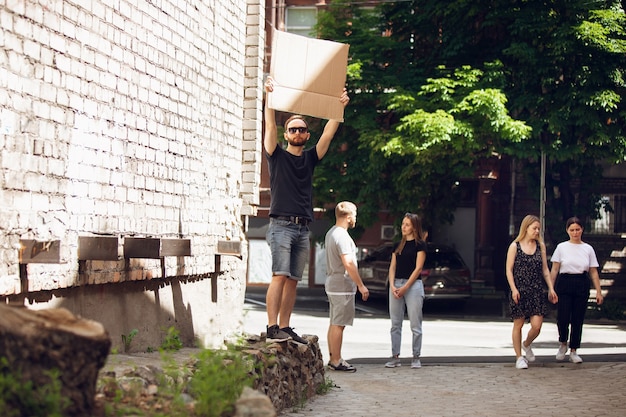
(35, 342)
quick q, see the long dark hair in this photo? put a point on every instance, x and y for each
(574, 220)
(416, 222)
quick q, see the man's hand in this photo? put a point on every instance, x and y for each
(269, 85)
(365, 293)
(344, 99)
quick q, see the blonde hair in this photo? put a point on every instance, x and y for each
(416, 222)
(526, 222)
(344, 209)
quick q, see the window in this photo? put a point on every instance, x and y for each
(610, 222)
(602, 225)
(300, 20)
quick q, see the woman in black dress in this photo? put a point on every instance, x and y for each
(526, 265)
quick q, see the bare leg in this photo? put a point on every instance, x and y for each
(274, 297)
(288, 302)
(535, 328)
(335, 340)
(517, 336)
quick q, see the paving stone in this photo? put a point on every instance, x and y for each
(441, 390)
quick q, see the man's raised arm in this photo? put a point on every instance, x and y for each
(269, 140)
(330, 129)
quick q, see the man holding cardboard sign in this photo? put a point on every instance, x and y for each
(291, 210)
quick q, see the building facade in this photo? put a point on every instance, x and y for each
(130, 161)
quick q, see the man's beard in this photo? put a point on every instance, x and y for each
(294, 143)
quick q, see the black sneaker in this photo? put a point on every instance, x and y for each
(342, 366)
(294, 336)
(274, 334)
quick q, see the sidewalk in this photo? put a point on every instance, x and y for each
(546, 389)
(467, 369)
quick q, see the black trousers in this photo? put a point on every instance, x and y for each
(573, 292)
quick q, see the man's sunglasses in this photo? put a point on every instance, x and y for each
(297, 129)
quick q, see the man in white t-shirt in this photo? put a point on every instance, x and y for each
(342, 281)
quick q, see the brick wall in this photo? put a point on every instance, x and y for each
(128, 118)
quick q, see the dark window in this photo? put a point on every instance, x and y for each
(620, 214)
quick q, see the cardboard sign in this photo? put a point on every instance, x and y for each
(309, 75)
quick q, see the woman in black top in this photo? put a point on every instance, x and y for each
(406, 291)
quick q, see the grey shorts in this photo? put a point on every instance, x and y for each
(342, 309)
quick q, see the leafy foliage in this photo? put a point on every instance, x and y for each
(437, 87)
(127, 339)
(172, 340)
(566, 77)
(208, 385)
(219, 379)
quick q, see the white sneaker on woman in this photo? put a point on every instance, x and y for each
(521, 363)
(560, 355)
(530, 355)
(574, 358)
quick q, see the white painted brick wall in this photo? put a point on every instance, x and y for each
(128, 118)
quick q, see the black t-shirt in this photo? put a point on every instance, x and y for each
(405, 261)
(291, 182)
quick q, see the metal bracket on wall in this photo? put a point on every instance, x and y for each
(156, 248)
(33, 251)
(96, 248)
(224, 247)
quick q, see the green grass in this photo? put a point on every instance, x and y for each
(23, 398)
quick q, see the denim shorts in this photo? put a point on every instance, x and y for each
(290, 247)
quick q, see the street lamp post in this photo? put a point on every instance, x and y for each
(542, 194)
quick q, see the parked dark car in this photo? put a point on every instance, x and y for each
(445, 275)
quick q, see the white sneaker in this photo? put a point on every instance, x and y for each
(560, 355)
(416, 363)
(521, 363)
(574, 358)
(530, 355)
(393, 363)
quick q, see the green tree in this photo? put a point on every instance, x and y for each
(566, 65)
(414, 130)
(450, 123)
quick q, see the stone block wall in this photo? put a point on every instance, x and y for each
(130, 119)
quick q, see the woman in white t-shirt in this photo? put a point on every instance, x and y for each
(574, 262)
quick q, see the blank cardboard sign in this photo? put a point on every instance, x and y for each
(309, 75)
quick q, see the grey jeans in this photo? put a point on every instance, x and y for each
(412, 303)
